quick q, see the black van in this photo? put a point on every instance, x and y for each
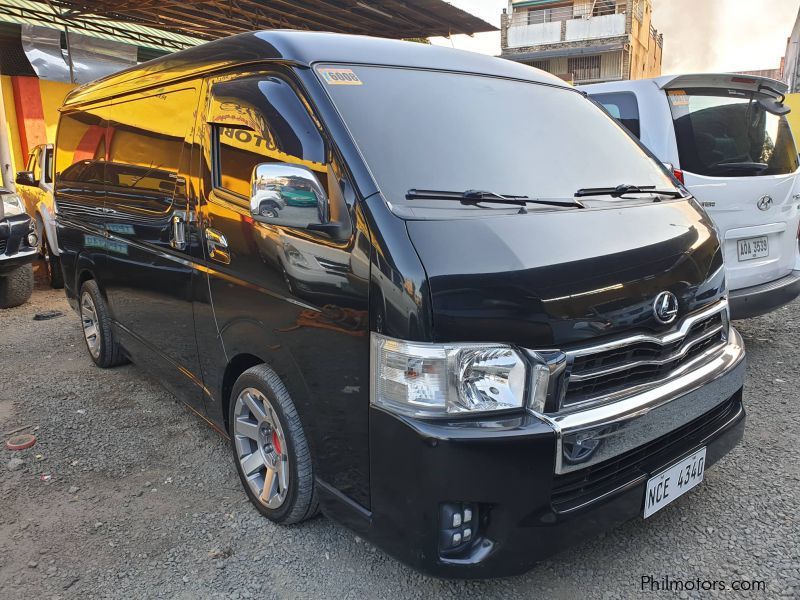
(475, 322)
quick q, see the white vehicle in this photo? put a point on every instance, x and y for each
(727, 139)
(35, 187)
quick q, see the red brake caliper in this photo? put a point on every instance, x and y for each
(276, 443)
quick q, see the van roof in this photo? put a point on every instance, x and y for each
(302, 48)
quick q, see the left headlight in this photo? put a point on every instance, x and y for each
(12, 205)
(440, 380)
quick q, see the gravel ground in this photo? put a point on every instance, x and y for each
(128, 494)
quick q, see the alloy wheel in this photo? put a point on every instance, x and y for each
(261, 448)
(91, 331)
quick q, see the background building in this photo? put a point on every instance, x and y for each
(583, 41)
(791, 60)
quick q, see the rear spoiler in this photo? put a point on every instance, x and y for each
(773, 92)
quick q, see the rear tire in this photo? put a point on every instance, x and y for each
(265, 429)
(98, 334)
(16, 287)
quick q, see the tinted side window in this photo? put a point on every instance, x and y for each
(146, 137)
(261, 119)
(33, 159)
(624, 107)
(47, 167)
(37, 164)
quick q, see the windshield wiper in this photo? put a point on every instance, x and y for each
(621, 190)
(477, 196)
(745, 167)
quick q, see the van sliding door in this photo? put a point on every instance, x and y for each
(148, 279)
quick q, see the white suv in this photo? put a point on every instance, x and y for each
(727, 139)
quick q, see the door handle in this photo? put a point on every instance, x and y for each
(178, 240)
(217, 246)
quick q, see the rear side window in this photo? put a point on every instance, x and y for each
(624, 107)
(257, 120)
(145, 142)
(727, 133)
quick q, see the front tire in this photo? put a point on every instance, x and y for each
(16, 287)
(104, 349)
(269, 210)
(267, 436)
(53, 264)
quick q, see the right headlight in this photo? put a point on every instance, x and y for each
(12, 206)
(441, 380)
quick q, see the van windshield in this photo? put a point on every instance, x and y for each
(438, 130)
(727, 133)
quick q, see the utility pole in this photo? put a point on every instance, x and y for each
(6, 162)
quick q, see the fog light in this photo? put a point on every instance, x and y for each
(459, 523)
(33, 240)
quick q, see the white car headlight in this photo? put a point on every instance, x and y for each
(12, 206)
(440, 380)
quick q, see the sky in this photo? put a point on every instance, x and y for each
(699, 35)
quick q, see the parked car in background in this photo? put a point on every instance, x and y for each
(18, 249)
(473, 347)
(35, 187)
(267, 203)
(728, 141)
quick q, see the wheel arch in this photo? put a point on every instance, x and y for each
(44, 214)
(84, 271)
(235, 367)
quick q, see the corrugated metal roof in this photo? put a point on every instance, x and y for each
(214, 19)
(37, 13)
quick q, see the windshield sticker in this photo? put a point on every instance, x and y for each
(678, 98)
(340, 77)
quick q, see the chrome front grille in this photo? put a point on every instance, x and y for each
(3, 246)
(597, 372)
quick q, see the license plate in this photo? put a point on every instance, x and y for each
(750, 248)
(674, 482)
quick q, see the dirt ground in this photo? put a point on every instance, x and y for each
(126, 494)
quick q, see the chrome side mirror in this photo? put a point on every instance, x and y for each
(289, 195)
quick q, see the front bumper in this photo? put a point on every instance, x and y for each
(14, 250)
(506, 468)
(761, 299)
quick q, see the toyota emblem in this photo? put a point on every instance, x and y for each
(665, 308)
(765, 202)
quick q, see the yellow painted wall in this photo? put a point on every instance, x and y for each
(793, 102)
(12, 131)
(52, 94)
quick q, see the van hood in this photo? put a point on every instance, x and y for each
(551, 279)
